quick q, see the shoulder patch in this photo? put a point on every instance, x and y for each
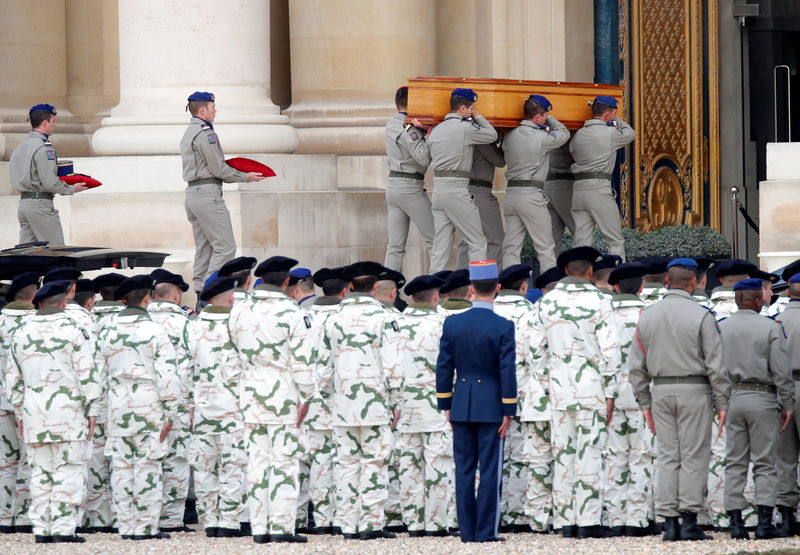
(395, 325)
(414, 136)
(476, 125)
(307, 321)
(51, 154)
(212, 138)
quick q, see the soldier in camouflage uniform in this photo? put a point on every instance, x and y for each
(359, 343)
(15, 471)
(629, 454)
(51, 384)
(275, 390)
(217, 451)
(165, 310)
(602, 271)
(575, 328)
(144, 394)
(424, 438)
(653, 287)
(239, 269)
(456, 291)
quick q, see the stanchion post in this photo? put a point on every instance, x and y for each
(735, 220)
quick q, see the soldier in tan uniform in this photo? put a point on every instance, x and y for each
(34, 174)
(558, 190)
(679, 347)
(594, 149)
(204, 170)
(451, 144)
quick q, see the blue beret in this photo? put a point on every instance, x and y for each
(687, 263)
(258, 282)
(392, 275)
(736, 266)
(442, 274)
(790, 270)
(607, 261)
(63, 272)
(459, 278)
(533, 295)
(51, 289)
(466, 94)
(275, 264)
(298, 274)
(49, 108)
(364, 268)
(514, 273)
(20, 282)
(217, 286)
(212, 277)
(626, 271)
(85, 286)
(795, 278)
(549, 276)
(160, 275)
(749, 284)
(483, 269)
(200, 96)
(135, 283)
(108, 280)
(658, 264)
(578, 253)
(541, 101)
(239, 264)
(423, 283)
(607, 100)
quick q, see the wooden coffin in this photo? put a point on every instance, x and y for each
(501, 100)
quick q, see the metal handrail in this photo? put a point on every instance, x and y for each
(788, 97)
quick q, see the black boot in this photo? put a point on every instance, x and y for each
(617, 531)
(671, 526)
(765, 530)
(68, 539)
(569, 531)
(737, 525)
(788, 521)
(690, 531)
(190, 512)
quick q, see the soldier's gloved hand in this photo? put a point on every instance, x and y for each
(504, 427)
(302, 411)
(92, 422)
(786, 417)
(165, 431)
(723, 416)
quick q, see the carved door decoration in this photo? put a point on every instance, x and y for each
(669, 56)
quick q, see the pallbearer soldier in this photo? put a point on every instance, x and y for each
(629, 453)
(451, 144)
(575, 330)
(558, 190)
(15, 471)
(144, 394)
(239, 269)
(204, 170)
(756, 361)
(53, 388)
(274, 394)
(594, 149)
(527, 149)
(679, 347)
(359, 343)
(217, 453)
(408, 158)
(424, 437)
(33, 168)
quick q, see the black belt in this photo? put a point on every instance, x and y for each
(663, 380)
(525, 183)
(205, 181)
(564, 176)
(754, 386)
(592, 175)
(28, 194)
(406, 175)
(480, 183)
(450, 173)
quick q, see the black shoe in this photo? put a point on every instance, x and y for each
(671, 527)
(302, 530)
(336, 530)
(654, 529)
(159, 536)
(68, 539)
(789, 522)
(190, 511)
(435, 533)
(105, 530)
(23, 529)
(635, 531)
(518, 528)
(6, 529)
(765, 529)
(228, 533)
(246, 529)
(569, 531)
(127, 536)
(737, 525)
(494, 539)
(211, 531)
(397, 529)
(287, 538)
(349, 536)
(417, 533)
(584, 532)
(690, 531)
(84, 530)
(261, 538)
(376, 534)
(322, 531)
(183, 528)
(114, 530)
(540, 531)
(617, 531)
(43, 539)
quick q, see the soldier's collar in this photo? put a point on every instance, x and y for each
(626, 297)
(204, 121)
(325, 300)
(133, 311)
(214, 309)
(19, 305)
(421, 306)
(455, 304)
(509, 293)
(574, 280)
(386, 303)
(47, 310)
(722, 288)
(269, 287)
(46, 137)
(652, 285)
(109, 303)
(72, 301)
(681, 292)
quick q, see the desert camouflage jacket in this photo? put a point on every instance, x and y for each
(12, 316)
(174, 319)
(627, 309)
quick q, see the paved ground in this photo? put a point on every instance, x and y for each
(198, 544)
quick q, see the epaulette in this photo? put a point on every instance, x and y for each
(204, 126)
(47, 142)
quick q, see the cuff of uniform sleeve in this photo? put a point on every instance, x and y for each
(721, 403)
(787, 403)
(444, 400)
(509, 409)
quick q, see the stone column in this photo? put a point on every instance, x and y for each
(348, 57)
(170, 48)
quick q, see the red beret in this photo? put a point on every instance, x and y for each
(74, 178)
(247, 165)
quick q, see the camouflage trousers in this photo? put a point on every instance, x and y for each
(303, 492)
(361, 476)
(629, 457)
(320, 483)
(57, 486)
(96, 509)
(218, 461)
(515, 476)
(537, 459)
(394, 508)
(272, 470)
(715, 498)
(427, 479)
(578, 438)
(175, 468)
(15, 473)
(136, 482)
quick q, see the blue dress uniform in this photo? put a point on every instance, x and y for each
(478, 350)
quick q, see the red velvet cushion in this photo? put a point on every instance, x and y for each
(247, 165)
(74, 178)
